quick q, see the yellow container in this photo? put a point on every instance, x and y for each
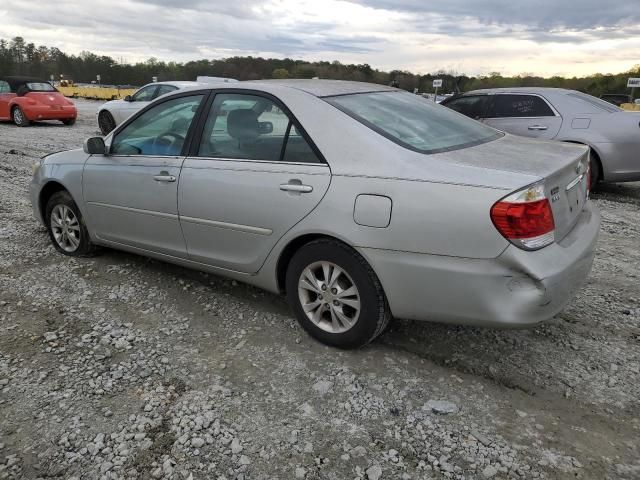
(96, 93)
(630, 107)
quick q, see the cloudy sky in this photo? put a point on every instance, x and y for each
(545, 37)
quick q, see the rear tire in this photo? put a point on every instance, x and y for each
(69, 122)
(335, 295)
(106, 123)
(66, 226)
(19, 118)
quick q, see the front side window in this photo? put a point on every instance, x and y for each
(145, 94)
(414, 122)
(160, 131)
(252, 127)
(525, 106)
(473, 106)
(4, 87)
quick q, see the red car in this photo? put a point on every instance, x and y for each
(25, 100)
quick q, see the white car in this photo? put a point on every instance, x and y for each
(113, 113)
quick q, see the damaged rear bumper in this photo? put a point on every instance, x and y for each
(516, 289)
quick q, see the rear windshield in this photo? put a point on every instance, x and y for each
(595, 102)
(40, 87)
(414, 122)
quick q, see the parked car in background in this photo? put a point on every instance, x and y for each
(113, 113)
(358, 201)
(616, 99)
(564, 115)
(24, 100)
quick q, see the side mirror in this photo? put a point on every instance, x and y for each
(265, 127)
(94, 146)
(128, 98)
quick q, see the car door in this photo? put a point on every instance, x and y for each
(131, 194)
(5, 97)
(139, 100)
(527, 115)
(253, 174)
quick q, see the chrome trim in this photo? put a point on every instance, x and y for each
(246, 160)
(574, 182)
(227, 226)
(136, 210)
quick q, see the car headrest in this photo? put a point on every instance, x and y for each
(180, 124)
(242, 124)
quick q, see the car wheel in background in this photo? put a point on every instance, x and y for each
(19, 117)
(106, 122)
(595, 170)
(69, 122)
(66, 226)
(335, 294)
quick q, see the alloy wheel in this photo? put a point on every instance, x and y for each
(65, 228)
(329, 297)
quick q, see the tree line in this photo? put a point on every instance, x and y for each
(17, 57)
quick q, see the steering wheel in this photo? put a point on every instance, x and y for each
(167, 141)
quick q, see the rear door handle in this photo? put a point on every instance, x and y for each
(538, 127)
(164, 177)
(295, 187)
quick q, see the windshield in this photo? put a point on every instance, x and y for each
(40, 87)
(596, 102)
(414, 122)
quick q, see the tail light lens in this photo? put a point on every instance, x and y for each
(525, 218)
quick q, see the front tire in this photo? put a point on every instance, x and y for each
(335, 295)
(66, 226)
(69, 122)
(106, 123)
(19, 118)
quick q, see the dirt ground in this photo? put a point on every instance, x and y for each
(118, 366)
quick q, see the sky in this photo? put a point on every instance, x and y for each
(475, 37)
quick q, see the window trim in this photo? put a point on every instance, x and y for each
(190, 133)
(491, 106)
(197, 139)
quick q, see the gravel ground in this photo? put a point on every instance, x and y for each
(119, 366)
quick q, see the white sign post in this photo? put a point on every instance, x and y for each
(436, 84)
(632, 83)
(98, 78)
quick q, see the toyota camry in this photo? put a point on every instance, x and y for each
(359, 202)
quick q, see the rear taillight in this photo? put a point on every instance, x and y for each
(525, 218)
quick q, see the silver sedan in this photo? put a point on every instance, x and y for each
(564, 115)
(359, 202)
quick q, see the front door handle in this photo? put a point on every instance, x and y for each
(538, 127)
(164, 177)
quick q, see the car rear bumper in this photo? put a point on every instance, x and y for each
(620, 161)
(516, 289)
(48, 113)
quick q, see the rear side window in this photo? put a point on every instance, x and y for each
(473, 106)
(4, 87)
(414, 122)
(520, 106)
(251, 127)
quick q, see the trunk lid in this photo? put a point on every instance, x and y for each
(557, 164)
(48, 98)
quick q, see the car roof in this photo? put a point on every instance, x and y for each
(535, 90)
(315, 87)
(326, 88)
(17, 80)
